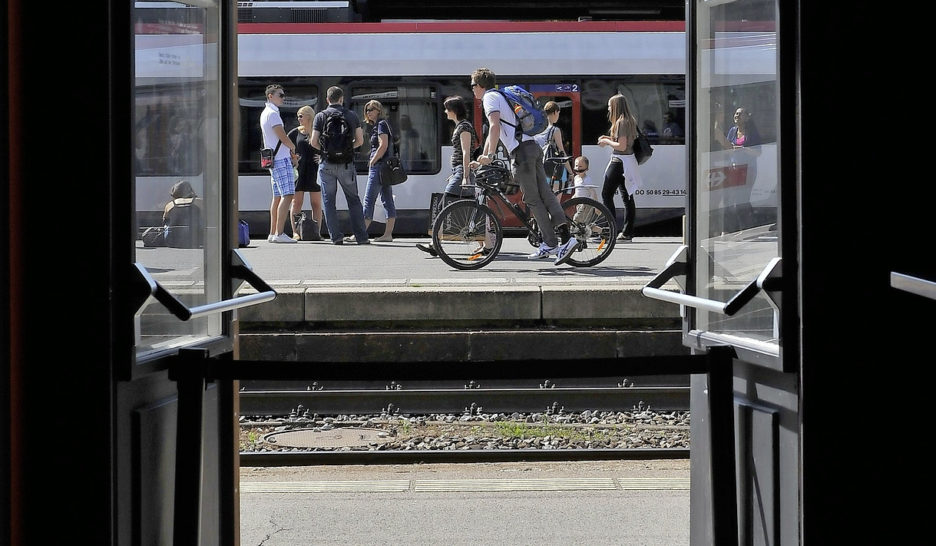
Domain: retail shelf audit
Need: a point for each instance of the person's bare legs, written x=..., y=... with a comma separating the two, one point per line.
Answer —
x=296, y=206
x=315, y=198
x=295, y=209
x=283, y=215
x=388, y=231
x=274, y=207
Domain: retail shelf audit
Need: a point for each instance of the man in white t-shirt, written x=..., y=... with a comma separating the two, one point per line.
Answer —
x=526, y=158
x=281, y=175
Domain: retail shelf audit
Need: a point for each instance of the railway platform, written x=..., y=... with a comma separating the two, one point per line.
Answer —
x=360, y=303
x=596, y=503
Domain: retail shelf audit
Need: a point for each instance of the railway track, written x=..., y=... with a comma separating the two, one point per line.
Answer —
x=280, y=399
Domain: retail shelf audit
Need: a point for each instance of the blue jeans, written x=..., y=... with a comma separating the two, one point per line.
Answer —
x=330, y=175
x=453, y=182
x=374, y=188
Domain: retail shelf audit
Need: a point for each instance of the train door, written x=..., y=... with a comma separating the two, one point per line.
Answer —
x=183, y=279
x=568, y=97
x=738, y=293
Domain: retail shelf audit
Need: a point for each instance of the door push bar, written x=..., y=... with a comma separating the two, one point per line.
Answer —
x=676, y=268
x=914, y=285
x=145, y=286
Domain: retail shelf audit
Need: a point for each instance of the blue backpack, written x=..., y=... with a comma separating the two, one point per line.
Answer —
x=531, y=119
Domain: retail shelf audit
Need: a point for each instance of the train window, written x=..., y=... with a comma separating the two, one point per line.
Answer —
x=413, y=113
x=660, y=107
x=176, y=167
x=252, y=101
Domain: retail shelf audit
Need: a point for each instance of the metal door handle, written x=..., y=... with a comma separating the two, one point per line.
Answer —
x=768, y=281
x=914, y=285
x=145, y=286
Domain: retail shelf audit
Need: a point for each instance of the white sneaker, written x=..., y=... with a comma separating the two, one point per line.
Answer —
x=544, y=251
x=566, y=250
x=271, y=238
x=283, y=238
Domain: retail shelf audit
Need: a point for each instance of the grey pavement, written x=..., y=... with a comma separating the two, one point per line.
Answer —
x=595, y=503
x=399, y=262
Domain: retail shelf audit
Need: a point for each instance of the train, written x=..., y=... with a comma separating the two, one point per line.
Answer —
x=411, y=67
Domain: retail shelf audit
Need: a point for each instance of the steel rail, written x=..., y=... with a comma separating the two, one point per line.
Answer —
x=422, y=401
x=310, y=458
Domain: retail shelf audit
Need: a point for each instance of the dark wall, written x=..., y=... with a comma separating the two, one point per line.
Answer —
x=867, y=198
x=58, y=273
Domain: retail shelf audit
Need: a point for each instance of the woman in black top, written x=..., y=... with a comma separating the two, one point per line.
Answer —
x=464, y=140
x=307, y=181
x=379, y=150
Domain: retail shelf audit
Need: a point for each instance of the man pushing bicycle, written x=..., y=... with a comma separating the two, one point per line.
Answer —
x=526, y=159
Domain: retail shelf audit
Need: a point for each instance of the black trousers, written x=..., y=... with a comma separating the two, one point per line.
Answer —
x=614, y=180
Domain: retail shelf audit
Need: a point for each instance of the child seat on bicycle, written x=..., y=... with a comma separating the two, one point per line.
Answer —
x=497, y=176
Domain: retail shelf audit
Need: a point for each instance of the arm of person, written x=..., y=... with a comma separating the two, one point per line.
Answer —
x=284, y=138
x=465, y=139
x=314, y=139
x=557, y=138
x=619, y=145
x=381, y=148
x=490, y=145
x=358, y=137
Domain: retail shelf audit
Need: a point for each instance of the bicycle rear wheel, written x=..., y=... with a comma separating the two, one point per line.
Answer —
x=460, y=231
x=593, y=225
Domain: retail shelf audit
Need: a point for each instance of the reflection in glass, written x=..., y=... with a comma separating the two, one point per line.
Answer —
x=413, y=114
x=176, y=166
x=737, y=168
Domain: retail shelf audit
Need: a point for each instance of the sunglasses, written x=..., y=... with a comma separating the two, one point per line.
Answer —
x=473, y=85
x=281, y=95
x=579, y=170
x=371, y=109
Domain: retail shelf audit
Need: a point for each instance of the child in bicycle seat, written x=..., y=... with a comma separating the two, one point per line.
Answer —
x=582, y=181
x=583, y=188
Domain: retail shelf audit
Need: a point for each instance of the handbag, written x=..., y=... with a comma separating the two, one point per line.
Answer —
x=391, y=168
x=307, y=227
x=243, y=234
x=267, y=155
x=642, y=148
x=392, y=171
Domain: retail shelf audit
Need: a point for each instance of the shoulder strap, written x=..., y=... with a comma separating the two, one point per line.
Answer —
x=501, y=93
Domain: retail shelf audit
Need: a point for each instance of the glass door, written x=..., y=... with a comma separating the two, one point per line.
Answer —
x=730, y=271
x=737, y=167
x=177, y=168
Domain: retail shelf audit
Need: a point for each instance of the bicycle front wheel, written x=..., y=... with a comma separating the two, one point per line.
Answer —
x=467, y=235
x=593, y=225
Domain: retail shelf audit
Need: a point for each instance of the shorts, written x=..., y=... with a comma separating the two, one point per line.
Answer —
x=281, y=178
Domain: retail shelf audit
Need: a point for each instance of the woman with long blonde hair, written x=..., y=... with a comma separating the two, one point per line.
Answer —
x=622, y=171
x=307, y=181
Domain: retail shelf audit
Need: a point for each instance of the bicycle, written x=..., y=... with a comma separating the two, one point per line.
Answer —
x=467, y=234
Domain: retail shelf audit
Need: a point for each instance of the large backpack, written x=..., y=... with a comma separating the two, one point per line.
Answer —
x=183, y=224
x=531, y=119
x=337, y=139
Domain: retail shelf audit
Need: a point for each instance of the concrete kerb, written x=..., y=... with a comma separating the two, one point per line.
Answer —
x=441, y=301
